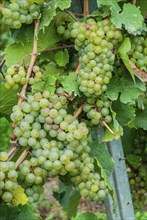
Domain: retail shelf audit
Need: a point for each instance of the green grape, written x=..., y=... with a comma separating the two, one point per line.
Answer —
x=6, y=13
x=7, y=197
x=3, y=156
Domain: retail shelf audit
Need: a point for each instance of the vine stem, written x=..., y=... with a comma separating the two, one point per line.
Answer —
x=23, y=91
x=134, y=2
x=86, y=8
x=78, y=112
x=78, y=68
x=32, y=62
x=71, y=14
x=12, y=150
x=60, y=47
x=104, y=123
x=1, y=66
x=22, y=157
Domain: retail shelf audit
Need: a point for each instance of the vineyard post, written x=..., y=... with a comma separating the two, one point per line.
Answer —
x=119, y=180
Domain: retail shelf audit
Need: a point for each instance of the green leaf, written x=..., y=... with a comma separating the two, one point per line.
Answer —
x=17, y=53
x=19, y=196
x=124, y=86
x=8, y=98
x=123, y=50
x=141, y=119
x=62, y=57
x=125, y=113
x=70, y=83
x=111, y=3
x=117, y=131
x=130, y=17
x=142, y=6
x=48, y=38
x=51, y=69
x=48, y=81
x=50, y=84
x=134, y=160
x=25, y=212
x=20, y=51
x=104, y=161
x=85, y=216
x=49, y=11
x=128, y=140
x=69, y=199
x=38, y=86
x=24, y=35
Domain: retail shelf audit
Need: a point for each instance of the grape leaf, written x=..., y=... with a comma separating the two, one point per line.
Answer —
x=69, y=199
x=128, y=140
x=16, y=53
x=117, y=131
x=21, y=50
x=70, y=83
x=25, y=212
x=62, y=57
x=8, y=98
x=142, y=6
x=130, y=17
x=47, y=84
x=24, y=35
x=48, y=38
x=49, y=11
x=126, y=88
x=104, y=161
x=125, y=113
x=123, y=50
x=111, y=3
x=85, y=216
x=38, y=86
x=19, y=196
x=141, y=119
x=48, y=81
x=134, y=160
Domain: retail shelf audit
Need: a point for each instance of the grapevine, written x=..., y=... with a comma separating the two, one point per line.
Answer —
x=71, y=75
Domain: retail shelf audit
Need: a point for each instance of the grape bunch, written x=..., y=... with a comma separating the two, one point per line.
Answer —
x=138, y=176
x=16, y=76
x=140, y=143
x=138, y=185
x=63, y=22
x=95, y=43
x=49, y=111
x=58, y=144
x=138, y=52
x=8, y=178
x=20, y=12
x=97, y=110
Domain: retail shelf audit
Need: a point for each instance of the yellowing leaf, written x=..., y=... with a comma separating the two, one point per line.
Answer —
x=19, y=196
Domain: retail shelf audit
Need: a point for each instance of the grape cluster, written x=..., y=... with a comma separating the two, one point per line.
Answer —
x=138, y=52
x=58, y=143
x=138, y=184
x=8, y=178
x=63, y=22
x=20, y=12
x=16, y=76
x=138, y=176
x=98, y=110
x=95, y=42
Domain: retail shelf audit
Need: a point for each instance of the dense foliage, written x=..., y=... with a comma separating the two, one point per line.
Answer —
x=63, y=76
